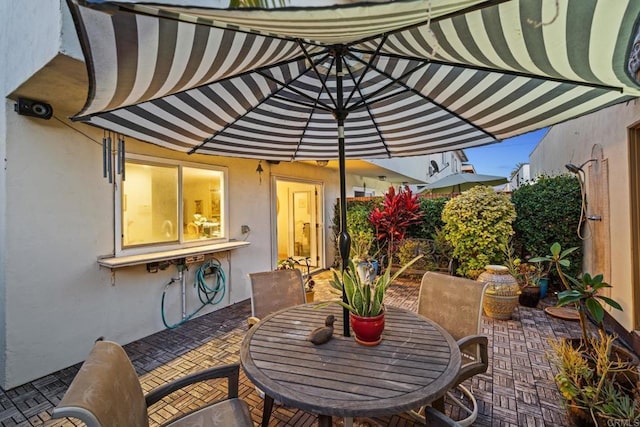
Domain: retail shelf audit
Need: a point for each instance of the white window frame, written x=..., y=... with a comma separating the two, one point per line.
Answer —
x=159, y=247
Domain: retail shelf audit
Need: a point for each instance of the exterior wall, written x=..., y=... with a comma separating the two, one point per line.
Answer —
x=522, y=176
x=59, y=215
x=26, y=44
x=371, y=184
x=572, y=142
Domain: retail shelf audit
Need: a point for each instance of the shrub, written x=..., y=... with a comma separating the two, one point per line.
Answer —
x=361, y=231
x=357, y=212
x=410, y=248
x=478, y=225
x=431, y=219
x=548, y=211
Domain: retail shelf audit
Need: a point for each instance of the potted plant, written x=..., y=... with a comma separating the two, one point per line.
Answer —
x=309, y=291
x=597, y=377
x=526, y=274
x=599, y=387
x=530, y=292
x=582, y=292
x=364, y=300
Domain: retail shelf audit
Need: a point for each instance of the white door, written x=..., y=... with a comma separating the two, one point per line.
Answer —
x=298, y=224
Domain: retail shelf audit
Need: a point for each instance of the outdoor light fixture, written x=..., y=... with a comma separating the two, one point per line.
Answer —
x=259, y=170
x=322, y=163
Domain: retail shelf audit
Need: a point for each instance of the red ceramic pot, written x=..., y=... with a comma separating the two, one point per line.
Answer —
x=367, y=330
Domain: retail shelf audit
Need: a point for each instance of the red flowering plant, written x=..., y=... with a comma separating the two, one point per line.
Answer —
x=399, y=211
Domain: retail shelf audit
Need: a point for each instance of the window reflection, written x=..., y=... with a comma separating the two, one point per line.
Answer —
x=149, y=205
x=202, y=203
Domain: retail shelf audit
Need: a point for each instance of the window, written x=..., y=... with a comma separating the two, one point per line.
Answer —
x=165, y=205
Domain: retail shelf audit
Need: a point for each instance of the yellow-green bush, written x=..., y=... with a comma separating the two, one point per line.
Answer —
x=478, y=224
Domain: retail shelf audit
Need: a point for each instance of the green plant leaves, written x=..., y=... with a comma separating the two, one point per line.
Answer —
x=548, y=211
x=364, y=299
x=478, y=224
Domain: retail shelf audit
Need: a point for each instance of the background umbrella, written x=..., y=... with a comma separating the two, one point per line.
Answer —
x=359, y=80
x=459, y=182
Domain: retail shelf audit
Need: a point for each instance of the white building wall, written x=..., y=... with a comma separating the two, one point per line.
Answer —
x=60, y=220
x=572, y=142
x=523, y=175
x=27, y=41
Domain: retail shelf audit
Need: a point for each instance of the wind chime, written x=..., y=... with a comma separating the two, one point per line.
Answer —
x=108, y=153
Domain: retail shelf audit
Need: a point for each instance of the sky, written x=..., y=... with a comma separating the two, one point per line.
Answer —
x=500, y=159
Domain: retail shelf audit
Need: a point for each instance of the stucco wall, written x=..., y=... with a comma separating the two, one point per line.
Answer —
x=26, y=44
x=60, y=219
x=572, y=142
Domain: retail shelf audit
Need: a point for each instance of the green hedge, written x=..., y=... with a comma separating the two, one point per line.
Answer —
x=548, y=211
x=431, y=218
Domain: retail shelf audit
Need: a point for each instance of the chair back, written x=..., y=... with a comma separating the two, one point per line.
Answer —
x=274, y=290
x=106, y=391
x=455, y=303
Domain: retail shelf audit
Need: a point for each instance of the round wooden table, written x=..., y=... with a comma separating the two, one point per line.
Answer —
x=415, y=364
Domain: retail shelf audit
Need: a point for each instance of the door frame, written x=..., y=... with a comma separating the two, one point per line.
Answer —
x=320, y=216
x=634, y=200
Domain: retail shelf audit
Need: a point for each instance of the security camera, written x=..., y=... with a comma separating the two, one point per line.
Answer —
x=33, y=108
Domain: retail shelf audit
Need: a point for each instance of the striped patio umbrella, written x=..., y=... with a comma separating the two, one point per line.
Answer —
x=324, y=79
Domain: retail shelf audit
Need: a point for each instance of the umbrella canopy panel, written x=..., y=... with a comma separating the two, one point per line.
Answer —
x=458, y=182
x=262, y=83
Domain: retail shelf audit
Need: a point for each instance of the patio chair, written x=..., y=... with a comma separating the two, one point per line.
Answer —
x=435, y=418
x=455, y=303
x=106, y=393
x=274, y=290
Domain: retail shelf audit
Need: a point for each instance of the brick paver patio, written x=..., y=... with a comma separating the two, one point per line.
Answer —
x=518, y=389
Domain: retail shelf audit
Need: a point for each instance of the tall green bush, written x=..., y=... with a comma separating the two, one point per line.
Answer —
x=548, y=211
x=478, y=224
x=362, y=231
x=431, y=219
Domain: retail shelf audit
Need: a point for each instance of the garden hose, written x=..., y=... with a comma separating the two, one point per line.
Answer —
x=208, y=294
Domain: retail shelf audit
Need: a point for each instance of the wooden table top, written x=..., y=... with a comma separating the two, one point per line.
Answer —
x=416, y=362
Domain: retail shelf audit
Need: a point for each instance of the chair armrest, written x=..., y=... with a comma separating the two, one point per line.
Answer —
x=470, y=369
x=252, y=321
x=231, y=372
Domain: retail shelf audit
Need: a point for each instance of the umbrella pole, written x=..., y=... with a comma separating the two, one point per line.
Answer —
x=345, y=239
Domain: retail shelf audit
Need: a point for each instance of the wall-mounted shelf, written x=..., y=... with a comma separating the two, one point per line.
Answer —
x=127, y=261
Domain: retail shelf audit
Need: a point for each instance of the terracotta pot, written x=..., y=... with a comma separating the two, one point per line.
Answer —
x=367, y=330
x=309, y=295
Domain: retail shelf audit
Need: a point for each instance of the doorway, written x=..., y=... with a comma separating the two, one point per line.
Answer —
x=299, y=219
